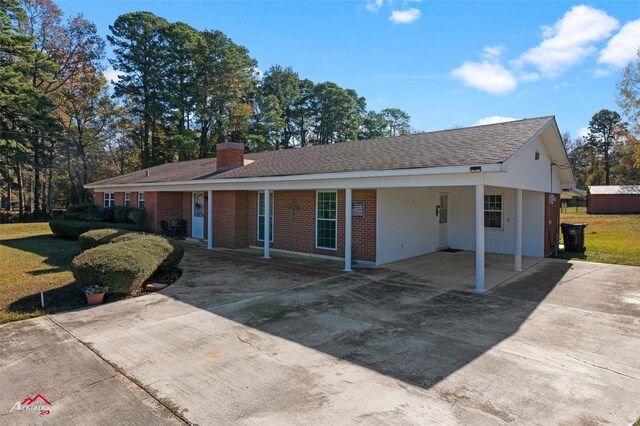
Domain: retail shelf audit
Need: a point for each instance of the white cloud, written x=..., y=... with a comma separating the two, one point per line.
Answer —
x=111, y=75
x=493, y=53
x=374, y=5
x=582, y=132
x=489, y=75
x=494, y=119
x=404, y=16
x=569, y=40
x=622, y=48
x=599, y=72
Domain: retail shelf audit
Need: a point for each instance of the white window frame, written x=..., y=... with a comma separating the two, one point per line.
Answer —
x=127, y=199
x=335, y=220
x=272, y=204
x=108, y=199
x=501, y=227
x=140, y=198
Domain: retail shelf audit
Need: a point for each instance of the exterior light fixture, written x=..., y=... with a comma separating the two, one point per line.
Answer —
x=475, y=169
x=537, y=155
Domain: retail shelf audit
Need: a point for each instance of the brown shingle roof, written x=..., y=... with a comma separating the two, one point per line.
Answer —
x=488, y=144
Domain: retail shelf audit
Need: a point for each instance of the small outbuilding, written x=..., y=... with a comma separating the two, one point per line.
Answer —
x=611, y=199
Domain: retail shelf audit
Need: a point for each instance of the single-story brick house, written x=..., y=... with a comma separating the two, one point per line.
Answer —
x=611, y=199
x=494, y=187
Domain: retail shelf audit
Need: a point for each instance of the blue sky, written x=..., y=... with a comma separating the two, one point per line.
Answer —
x=446, y=63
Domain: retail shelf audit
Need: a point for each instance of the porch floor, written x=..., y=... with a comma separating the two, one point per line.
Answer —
x=457, y=271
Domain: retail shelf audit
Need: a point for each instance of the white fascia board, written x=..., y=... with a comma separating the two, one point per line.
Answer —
x=435, y=176
x=523, y=148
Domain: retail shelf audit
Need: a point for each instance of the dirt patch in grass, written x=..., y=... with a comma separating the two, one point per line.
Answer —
x=608, y=238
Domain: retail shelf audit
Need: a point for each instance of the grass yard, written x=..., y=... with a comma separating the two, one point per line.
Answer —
x=31, y=260
x=608, y=238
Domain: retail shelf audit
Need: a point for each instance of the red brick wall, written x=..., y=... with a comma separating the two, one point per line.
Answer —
x=98, y=198
x=134, y=199
x=363, y=231
x=299, y=233
x=229, y=155
x=119, y=198
x=151, y=206
x=551, y=218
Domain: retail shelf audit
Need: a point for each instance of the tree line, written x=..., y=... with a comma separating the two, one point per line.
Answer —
x=179, y=91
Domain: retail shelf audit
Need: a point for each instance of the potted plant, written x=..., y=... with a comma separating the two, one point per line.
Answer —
x=95, y=294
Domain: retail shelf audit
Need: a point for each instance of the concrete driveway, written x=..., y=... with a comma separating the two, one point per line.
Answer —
x=243, y=340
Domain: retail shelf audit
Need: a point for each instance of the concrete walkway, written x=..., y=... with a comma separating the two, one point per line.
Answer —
x=241, y=340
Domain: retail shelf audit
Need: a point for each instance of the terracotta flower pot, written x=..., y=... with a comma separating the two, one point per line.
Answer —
x=95, y=299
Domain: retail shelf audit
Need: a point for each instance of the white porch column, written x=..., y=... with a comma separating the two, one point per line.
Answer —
x=518, y=251
x=480, y=238
x=267, y=222
x=210, y=219
x=347, y=230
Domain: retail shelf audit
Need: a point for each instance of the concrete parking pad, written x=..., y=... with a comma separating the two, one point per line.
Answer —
x=253, y=341
x=39, y=357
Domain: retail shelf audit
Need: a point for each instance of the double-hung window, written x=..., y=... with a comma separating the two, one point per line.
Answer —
x=127, y=199
x=327, y=220
x=493, y=211
x=141, y=200
x=109, y=199
x=261, y=216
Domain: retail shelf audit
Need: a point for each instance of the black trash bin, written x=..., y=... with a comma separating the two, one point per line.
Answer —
x=573, y=236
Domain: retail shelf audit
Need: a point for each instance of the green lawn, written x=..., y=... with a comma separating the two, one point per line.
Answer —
x=608, y=238
x=31, y=260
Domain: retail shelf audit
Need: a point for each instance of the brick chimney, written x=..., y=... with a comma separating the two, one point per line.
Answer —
x=229, y=155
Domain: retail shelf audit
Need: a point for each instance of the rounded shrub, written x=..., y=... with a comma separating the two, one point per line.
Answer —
x=121, y=266
x=137, y=215
x=121, y=214
x=173, y=258
x=98, y=237
x=85, y=212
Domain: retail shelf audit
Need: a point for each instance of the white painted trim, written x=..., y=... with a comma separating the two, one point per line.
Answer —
x=111, y=197
x=517, y=261
x=193, y=194
x=479, y=201
x=272, y=217
x=210, y=219
x=267, y=222
x=468, y=179
x=347, y=228
x=337, y=220
x=502, y=198
x=228, y=183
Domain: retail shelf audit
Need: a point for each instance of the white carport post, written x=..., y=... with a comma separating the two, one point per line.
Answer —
x=480, y=238
x=267, y=223
x=347, y=230
x=518, y=251
x=210, y=219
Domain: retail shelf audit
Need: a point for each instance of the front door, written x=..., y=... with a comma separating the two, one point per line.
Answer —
x=197, y=213
x=443, y=219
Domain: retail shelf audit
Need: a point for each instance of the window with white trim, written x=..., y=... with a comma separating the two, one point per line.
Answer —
x=327, y=220
x=493, y=211
x=261, y=216
x=109, y=199
x=141, y=200
x=127, y=199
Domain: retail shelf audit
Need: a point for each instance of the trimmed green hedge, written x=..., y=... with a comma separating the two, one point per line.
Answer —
x=126, y=262
x=120, y=266
x=72, y=229
x=98, y=237
x=172, y=260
